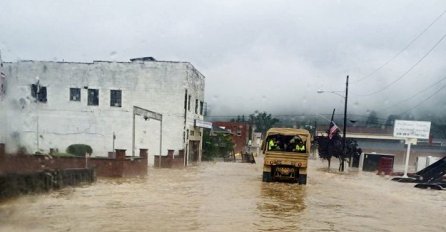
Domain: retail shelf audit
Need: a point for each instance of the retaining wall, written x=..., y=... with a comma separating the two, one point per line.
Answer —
x=121, y=166
x=170, y=161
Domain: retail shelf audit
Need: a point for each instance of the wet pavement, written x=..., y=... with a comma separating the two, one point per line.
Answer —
x=231, y=197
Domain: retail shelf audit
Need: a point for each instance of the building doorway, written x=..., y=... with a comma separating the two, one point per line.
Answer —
x=194, y=150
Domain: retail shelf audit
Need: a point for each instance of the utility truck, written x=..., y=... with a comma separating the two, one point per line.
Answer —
x=286, y=153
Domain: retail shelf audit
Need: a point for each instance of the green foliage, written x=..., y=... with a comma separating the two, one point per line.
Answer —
x=262, y=121
x=216, y=145
x=79, y=149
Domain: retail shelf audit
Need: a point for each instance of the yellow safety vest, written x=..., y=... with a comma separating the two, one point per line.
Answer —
x=300, y=148
x=271, y=145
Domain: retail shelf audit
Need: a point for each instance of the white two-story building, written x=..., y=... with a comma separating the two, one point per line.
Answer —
x=50, y=105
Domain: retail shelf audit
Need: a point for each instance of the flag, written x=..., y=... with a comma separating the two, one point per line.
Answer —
x=332, y=130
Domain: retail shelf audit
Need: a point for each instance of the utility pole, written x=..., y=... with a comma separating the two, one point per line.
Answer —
x=344, y=133
x=37, y=112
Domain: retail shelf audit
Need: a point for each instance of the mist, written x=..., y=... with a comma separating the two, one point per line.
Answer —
x=256, y=55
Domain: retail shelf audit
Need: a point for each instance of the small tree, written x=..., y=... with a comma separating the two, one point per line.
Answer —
x=79, y=149
x=216, y=145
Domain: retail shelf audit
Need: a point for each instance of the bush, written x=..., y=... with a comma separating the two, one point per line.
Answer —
x=79, y=149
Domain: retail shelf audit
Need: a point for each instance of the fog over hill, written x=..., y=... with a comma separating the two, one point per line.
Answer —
x=256, y=55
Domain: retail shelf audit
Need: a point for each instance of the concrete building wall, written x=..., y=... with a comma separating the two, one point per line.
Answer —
x=152, y=85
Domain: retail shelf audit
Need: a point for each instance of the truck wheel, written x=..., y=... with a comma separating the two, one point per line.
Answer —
x=302, y=179
x=266, y=177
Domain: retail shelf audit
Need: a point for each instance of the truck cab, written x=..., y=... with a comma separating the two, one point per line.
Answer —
x=286, y=153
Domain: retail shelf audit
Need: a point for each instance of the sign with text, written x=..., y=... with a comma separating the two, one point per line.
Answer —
x=203, y=124
x=411, y=129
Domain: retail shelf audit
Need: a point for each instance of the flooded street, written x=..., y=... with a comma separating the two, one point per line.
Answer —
x=230, y=197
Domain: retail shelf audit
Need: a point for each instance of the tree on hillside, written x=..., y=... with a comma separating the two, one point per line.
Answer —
x=372, y=120
x=391, y=120
x=262, y=121
x=238, y=119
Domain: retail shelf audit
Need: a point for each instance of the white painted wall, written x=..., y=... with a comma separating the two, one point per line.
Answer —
x=154, y=85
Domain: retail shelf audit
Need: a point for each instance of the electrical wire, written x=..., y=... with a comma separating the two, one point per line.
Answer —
x=404, y=112
x=407, y=72
x=416, y=94
x=401, y=51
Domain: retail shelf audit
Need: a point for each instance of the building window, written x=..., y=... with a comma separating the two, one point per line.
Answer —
x=188, y=103
x=115, y=98
x=38, y=92
x=239, y=132
x=93, y=97
x=185, y=100
x=196, y=106
x=201, y=107
x=192, y=133
x=75, y=94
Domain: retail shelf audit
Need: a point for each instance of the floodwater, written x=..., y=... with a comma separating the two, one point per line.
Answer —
x=231, y=197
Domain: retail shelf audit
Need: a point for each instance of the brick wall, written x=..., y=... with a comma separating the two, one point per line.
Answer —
x=170, y=161
x=240, y=133
x=119, y=167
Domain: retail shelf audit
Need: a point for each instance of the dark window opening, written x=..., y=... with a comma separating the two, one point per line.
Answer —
x=196, y=106
x=188, y=103
x=201, y=107
x=38, y=92
x=116, y=98
x=93, y=97
x=75, y=94
x=185, y=100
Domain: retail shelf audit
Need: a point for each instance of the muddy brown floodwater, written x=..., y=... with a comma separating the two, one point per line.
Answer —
x=231, y=197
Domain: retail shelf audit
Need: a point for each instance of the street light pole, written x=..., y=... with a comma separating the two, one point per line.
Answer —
x=344, y=133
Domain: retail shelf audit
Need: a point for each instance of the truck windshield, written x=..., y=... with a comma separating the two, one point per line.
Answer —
x=285, y=143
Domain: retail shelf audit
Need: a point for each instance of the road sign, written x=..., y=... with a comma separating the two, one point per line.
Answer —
x=411, y=129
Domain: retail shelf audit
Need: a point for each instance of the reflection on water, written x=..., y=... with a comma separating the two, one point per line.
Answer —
x=230, y=197
x=279, y=206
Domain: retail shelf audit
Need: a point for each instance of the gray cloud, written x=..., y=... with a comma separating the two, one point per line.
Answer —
x=265, y=55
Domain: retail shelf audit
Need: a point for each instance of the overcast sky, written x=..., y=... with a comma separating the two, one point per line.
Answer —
x=256, y=55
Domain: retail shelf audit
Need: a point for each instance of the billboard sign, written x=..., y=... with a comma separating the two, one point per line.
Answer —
x=411, y=129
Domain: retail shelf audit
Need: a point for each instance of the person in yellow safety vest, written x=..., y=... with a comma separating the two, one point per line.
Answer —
x=272, y=144
x=300, y=147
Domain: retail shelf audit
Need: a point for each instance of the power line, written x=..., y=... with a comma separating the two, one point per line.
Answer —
x=408, y=71
x=416, y=94
x=402, y=50
x=424, y=100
